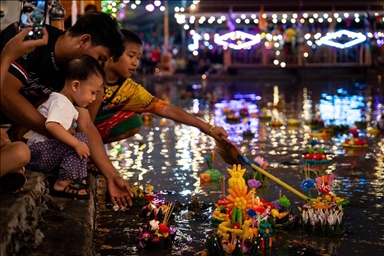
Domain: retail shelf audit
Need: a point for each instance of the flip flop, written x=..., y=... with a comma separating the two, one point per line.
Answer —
x=70, y=191
x=12, y=182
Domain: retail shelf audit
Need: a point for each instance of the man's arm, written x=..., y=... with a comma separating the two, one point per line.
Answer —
x=119, y=189
x=18, y=108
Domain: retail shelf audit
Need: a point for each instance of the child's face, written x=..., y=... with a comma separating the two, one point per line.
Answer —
x=86, y=91
x=129, y=61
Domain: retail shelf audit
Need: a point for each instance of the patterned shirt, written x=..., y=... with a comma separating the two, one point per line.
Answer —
x=127, y=95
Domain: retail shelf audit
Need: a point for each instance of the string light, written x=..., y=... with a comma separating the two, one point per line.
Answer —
x=237, y=40
x=330, y=39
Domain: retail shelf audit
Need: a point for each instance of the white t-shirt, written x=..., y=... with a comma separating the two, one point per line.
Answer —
x=59, y=109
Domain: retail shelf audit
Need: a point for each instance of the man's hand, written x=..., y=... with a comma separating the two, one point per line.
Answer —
x=119, y=191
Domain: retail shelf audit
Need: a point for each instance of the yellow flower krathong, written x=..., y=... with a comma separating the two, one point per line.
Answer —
x=238, y=197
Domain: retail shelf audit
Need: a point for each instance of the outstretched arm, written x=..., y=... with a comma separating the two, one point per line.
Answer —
x=118, y=188
x=179, y=115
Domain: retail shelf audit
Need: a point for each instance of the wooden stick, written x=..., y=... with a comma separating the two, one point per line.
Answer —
x=229, y=152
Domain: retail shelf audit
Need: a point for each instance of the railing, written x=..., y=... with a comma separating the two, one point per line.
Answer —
x=304, y=55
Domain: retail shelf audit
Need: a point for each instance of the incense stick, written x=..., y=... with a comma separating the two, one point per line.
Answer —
x=169, y=212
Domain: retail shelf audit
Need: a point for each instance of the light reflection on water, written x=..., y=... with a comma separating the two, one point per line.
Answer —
x=171, y=157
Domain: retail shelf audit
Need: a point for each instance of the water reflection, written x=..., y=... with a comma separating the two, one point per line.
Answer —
x=171, y=157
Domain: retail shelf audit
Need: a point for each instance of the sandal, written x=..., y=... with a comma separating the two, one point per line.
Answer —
x=70, y=191
x=82, y=182
x=13, y=182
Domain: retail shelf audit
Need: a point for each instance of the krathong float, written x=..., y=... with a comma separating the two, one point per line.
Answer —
x=293, y=122
x=233, y=119
x=211, y=174
x=157, y=235
x=315, y=155
x=227, y=111
x=247, y=133
x=242, y=218
x=354, y=141
x=138, y=195
x=264, y=115
x=323, y=215
x=282, y=216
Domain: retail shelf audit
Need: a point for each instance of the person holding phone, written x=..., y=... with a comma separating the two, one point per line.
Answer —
x=33, y=77
x=14, y=155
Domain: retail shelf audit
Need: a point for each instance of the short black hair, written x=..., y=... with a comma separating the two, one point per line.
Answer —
x=84, y=66
x=90, y=8
x=27, y=9
x=130, y=37
x=103, y=29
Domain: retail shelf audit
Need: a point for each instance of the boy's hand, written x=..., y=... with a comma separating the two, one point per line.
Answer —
x=82, y=150
x=218, y=132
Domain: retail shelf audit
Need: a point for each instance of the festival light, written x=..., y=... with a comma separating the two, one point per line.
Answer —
x=195, y=45
x=330, y=38
x=243, y=40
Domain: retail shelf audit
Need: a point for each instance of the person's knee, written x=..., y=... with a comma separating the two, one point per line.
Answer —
x=136, y=130
x=21, y=152
x=131, y=132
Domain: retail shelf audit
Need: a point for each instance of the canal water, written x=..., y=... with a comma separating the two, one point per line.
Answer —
x=170, y=156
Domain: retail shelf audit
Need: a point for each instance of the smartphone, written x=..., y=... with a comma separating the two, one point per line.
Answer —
x=32, y=14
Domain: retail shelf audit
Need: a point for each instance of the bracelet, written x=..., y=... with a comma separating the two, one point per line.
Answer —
x=211, y=129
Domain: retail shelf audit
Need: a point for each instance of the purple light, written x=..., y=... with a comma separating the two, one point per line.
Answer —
x=121, y=13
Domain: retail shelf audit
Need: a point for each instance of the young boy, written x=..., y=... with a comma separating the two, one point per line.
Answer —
x=67, y=153
x=116, y=118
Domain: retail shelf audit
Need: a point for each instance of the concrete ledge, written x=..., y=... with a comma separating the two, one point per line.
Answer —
x=34, y=223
